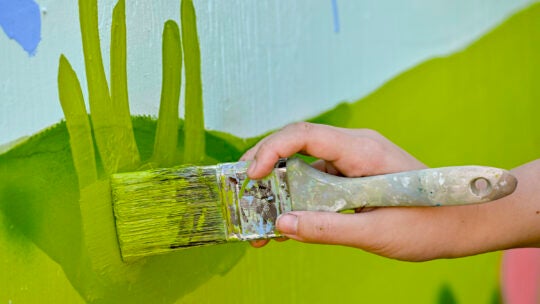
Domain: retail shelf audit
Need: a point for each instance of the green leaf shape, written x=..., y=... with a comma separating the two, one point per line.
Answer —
x=89, y=252
x=194, y=119
x=167, y=129
x=80, y=132
x=113, y=133
x=39, y=196
x=119, y=88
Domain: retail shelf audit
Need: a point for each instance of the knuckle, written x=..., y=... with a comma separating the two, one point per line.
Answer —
x=266, y=147
x=370, y=133
x=249, y=155
x=371, y=156
x=370, y=144
x=301, y=126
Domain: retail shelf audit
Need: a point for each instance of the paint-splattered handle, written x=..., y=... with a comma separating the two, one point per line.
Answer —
x=311, y=189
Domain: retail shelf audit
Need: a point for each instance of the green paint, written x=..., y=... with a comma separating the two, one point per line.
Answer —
x=496, y=297
x=167, y=129
x=119, y=89
x=194, y=127
x=80, y=133
x=476, y=106
x=161, y=210
x=73, y=222
x=110, y=133
x=446, y=296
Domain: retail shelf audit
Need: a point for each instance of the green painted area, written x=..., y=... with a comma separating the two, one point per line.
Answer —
x=476, y=106
x=112, y=128
x=128, y=156
x=166, y=209
x=77, y=230
x=194, y=128
x=167, y=129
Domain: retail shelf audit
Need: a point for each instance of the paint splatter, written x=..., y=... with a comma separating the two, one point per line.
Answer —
x=21, y=21
x=335, y=13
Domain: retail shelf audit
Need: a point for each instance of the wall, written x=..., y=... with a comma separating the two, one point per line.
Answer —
x=288, y=61
x=255, y=55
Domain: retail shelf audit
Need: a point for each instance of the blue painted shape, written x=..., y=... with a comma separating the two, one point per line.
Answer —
x=21, y=21
x=335, y=13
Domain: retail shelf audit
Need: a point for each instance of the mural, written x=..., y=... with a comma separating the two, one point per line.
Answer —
x=57, y=233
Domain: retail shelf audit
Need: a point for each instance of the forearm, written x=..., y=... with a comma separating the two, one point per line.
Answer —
x=514, y=221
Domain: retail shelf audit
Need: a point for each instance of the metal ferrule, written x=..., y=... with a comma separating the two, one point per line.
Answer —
x=251, y=207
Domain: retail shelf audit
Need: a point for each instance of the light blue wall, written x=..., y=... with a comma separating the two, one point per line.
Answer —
x=283, y=59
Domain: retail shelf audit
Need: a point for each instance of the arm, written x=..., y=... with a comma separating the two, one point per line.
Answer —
x=405, y=233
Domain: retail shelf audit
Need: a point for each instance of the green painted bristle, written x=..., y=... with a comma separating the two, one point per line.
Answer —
x=161, y=210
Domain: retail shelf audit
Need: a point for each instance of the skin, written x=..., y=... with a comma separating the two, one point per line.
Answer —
x=403, y=233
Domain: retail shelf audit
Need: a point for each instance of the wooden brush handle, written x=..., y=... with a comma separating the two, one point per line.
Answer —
x=311, y=189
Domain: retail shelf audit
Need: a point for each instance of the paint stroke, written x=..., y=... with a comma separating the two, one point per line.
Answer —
x=335, y=13
x=194, y=152
x=166, y=142
x=21, y=21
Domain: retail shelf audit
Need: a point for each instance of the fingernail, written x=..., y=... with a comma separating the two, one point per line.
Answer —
x=252, y=167
x=287, y=223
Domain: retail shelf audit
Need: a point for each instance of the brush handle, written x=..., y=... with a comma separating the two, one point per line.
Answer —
x=311, y=189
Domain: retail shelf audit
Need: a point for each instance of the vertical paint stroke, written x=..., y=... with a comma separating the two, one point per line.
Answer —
x=111, y=135
x=335, y=13
x=21, y=21
x=194, y=139
x=167, y=125
x=119, y=83
x=80, y=134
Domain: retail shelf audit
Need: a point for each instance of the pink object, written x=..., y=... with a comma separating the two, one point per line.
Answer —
x=520, y=277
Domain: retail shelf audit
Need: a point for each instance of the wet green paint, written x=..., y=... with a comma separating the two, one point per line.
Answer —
x=476, y=106
x=166, y=142
x=72, y=101
x=108, y=130
x=82, y=238
x=128, y=155
x=194, y=128
x=161, y=210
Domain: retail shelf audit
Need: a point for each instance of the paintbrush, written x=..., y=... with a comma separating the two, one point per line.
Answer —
x=162, y=210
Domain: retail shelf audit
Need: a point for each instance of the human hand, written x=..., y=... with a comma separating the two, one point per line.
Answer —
x=348, y=152
x=404, y=233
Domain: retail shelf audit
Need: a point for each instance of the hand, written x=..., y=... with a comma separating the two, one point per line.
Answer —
x=347, y=152
x=405, y=233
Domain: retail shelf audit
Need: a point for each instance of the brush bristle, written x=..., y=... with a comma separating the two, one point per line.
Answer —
x=161, y=210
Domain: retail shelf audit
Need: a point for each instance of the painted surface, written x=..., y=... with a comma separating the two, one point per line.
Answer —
x=477, y=105
x=247, y=52
x=21, y=21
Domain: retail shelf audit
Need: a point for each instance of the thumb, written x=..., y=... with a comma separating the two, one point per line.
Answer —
x=407, y=233
x=323, y=227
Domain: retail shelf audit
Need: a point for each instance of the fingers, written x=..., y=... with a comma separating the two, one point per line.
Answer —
x=325, y=142
x=262, y=243
x=321, y=227
x=350, y=152
x=326, y=167
x=300, y=137
x=399, y=233
x=259, y=243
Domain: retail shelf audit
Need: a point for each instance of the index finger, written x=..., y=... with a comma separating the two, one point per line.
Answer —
x=321, y=141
